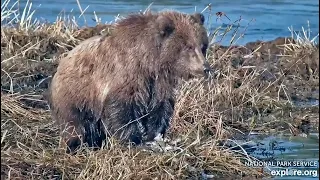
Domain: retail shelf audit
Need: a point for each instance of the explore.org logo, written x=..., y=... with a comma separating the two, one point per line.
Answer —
x=288, y=168
x=294, y=172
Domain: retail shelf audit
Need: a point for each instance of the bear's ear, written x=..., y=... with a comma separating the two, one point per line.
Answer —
x=165, y=25
x=199, y=18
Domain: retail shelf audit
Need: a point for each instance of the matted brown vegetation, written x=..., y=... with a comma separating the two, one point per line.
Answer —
x=254, y=89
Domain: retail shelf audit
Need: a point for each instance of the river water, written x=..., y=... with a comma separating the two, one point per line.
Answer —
x=285, y=153
x=268, y=19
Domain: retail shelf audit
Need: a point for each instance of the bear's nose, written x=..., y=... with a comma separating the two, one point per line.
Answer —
x=207, y=69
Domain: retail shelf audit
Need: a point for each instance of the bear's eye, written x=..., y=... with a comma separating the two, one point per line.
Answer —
x=189, y=48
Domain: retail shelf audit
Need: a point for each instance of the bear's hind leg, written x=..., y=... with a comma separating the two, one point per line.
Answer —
x=72, y=137
x=94, y=133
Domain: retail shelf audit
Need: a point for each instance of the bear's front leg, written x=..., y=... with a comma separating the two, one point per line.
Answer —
x=159, y=119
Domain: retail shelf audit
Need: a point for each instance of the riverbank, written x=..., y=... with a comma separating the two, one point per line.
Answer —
x=257, y=87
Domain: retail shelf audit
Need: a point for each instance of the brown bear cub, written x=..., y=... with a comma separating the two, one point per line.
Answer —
x=123, y=85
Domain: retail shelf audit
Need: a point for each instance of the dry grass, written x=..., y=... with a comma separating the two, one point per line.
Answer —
x=254, y=88
x=30, y=150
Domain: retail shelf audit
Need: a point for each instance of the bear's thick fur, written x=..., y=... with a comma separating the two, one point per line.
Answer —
x=123, y=84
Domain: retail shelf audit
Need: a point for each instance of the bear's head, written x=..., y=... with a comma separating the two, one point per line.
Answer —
x=184, y=43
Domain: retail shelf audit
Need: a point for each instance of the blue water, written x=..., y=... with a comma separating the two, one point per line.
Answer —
x=272, y=17
x=282, y=152
x=287, y=151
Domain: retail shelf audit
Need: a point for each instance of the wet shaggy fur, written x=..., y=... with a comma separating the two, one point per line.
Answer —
x=123, y=85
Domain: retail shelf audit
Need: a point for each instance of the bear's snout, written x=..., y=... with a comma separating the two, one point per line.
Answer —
x=208, y=71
